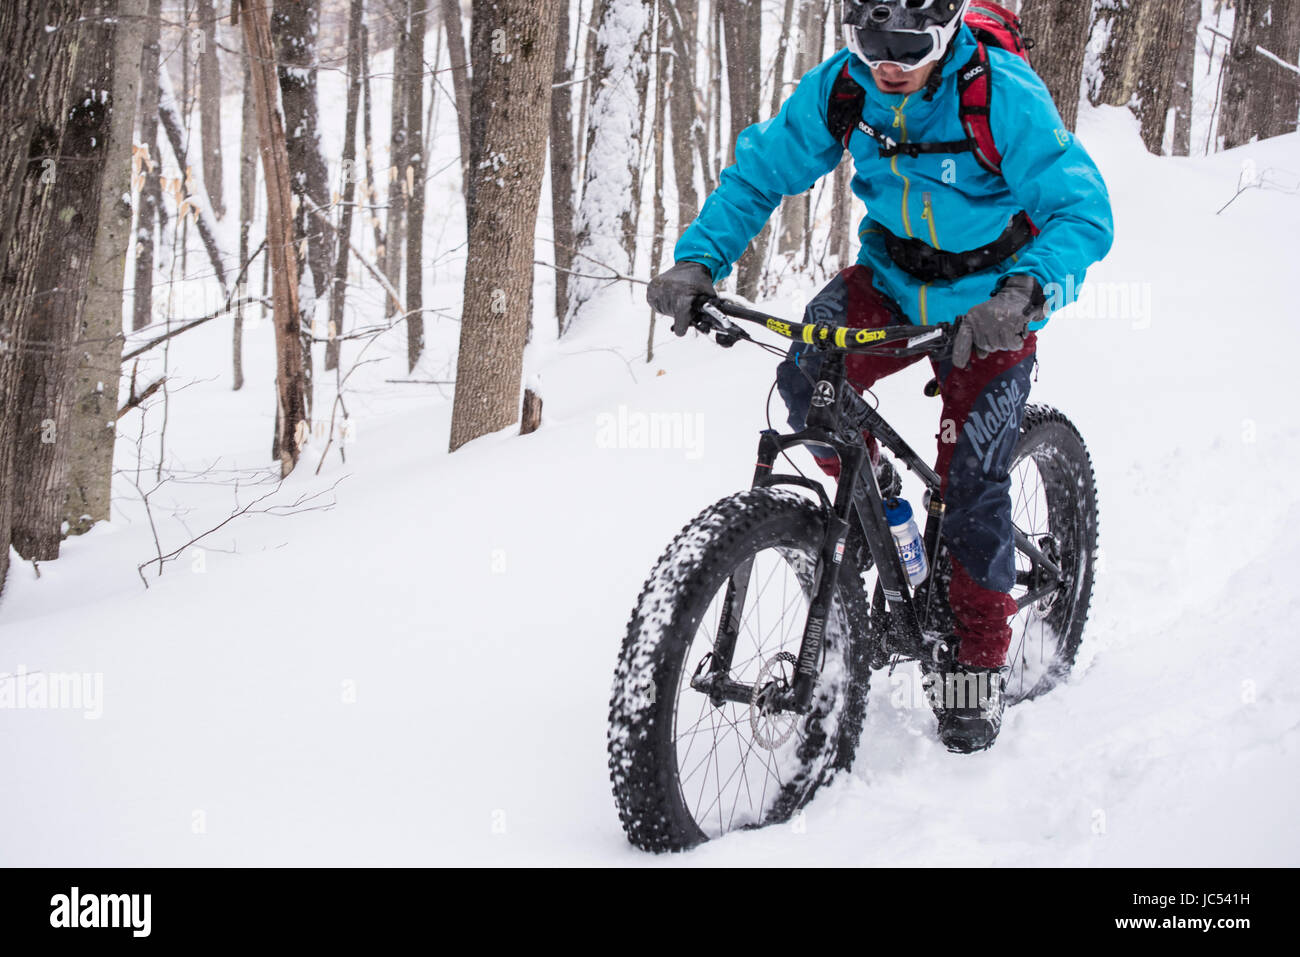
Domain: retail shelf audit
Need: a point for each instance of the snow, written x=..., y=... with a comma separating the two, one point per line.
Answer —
x=421, y=674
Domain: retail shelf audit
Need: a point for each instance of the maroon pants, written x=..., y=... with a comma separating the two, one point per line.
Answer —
x=983, y=406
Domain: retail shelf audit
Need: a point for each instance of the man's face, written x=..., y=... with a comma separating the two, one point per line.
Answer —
x=892, y=78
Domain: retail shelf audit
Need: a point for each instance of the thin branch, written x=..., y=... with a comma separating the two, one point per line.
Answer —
x=194, y=323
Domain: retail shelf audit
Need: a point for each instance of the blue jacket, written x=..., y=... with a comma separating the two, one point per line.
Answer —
x=948, y=201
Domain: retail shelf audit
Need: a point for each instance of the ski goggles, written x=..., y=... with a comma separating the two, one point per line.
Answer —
x=903, y=49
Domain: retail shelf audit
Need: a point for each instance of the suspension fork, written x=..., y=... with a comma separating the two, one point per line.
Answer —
x=825, y=414
x=829, y=563
x=733, y=603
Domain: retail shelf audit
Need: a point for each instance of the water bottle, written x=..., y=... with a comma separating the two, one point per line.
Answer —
x=907, y=537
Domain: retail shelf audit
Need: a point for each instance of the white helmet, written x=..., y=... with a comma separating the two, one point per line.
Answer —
x=907, y=33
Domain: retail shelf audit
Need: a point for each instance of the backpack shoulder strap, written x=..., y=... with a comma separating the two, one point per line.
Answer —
x=975, y=86
x=844, y=110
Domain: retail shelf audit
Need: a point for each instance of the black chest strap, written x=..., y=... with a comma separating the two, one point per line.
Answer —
x=922, y=261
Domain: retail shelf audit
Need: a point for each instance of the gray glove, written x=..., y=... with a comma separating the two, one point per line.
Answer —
x=675, y=292
x=1001, y=323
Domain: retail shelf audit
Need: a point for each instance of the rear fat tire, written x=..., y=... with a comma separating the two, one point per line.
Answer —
x=1070, y=486
x=1065, y=466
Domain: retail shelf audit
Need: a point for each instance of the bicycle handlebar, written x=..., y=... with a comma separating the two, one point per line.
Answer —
x=715, y=315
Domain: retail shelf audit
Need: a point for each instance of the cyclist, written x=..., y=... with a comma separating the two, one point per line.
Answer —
x=988, y=209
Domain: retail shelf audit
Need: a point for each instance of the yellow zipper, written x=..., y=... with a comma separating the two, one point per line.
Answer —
x=928, y=215
x=900, y=123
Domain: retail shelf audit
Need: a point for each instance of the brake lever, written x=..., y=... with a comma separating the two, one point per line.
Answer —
x=728, y=333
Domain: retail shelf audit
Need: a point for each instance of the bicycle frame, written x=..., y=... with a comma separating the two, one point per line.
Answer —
x=837, y=419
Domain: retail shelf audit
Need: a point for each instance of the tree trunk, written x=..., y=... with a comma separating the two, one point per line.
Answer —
x=99, y=355
x=372, y=191
x=210, y=106
x=338, y=290
x=49, y=355
x=1059, y=30
x=684, y=116
x=714, y=107
x=295, y=25
x=397, y=148
x=606, y=223
x=150, y=188
x=660, y=211
x=562, y=159
x=247, y=206
x=33, y=113
x=415, y=185
x=455, y=27
x=589, y=30
x=794, y=210
x=1185, y=78
x=841, y=198
x=743, y=25
x=1261, y=98
x=513, y=49
x=1139, y=59
x=169, y=111
x=290, y=378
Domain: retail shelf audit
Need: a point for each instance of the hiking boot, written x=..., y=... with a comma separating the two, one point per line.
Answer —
x=970, y=714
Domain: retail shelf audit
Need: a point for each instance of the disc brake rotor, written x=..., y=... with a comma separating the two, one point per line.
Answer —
x=772, y=728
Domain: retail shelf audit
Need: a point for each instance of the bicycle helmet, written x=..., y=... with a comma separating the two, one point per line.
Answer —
x=908, y=33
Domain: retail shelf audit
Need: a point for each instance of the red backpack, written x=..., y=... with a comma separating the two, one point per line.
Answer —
x=993, y=25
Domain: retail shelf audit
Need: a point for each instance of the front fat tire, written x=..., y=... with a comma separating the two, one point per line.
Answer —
x=643, y=757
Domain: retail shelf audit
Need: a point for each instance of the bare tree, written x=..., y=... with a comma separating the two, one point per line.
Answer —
x=840, y=197
x=295, y=25
x=684, y=115
x=372, y=190
x=562, y=162
x=415, y=186
x=794, y=210
x=660, y=211
x=210, y=105
x=1261, y=98
x=742, y=34
x=35, y=77
x=606, y=222
x=397, y=151
x=291, y=378
x=1139, y=60
x=150, y=187
x=1185, y=78
x=48, y=360
x=1059, y=30
x=247, y=205
x=513, y=54
x=171, y=114
x=455, y=27
x=99, y=352
x=338, y=289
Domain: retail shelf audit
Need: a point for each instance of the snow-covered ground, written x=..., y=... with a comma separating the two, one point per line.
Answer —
x=421, y=674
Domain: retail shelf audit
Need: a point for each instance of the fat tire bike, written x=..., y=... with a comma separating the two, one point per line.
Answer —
x=741, y=685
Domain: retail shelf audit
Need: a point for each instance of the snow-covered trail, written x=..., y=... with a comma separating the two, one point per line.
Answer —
x=421, y=675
